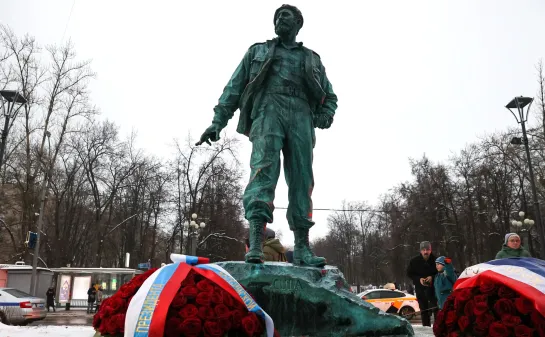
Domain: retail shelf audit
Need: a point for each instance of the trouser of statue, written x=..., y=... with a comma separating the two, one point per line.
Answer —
x=283, y=123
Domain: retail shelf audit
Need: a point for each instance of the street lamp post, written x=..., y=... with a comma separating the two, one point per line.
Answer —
x=12, y=97
x=519, y=103
x=43, y=195
x=525, y=228
x=193, y=233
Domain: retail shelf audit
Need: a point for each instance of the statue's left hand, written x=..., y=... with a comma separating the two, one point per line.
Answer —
x=323, y=121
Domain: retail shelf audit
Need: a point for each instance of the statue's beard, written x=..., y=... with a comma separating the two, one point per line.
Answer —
x=283, y=29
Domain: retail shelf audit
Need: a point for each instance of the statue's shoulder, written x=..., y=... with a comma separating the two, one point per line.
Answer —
x=258, y=44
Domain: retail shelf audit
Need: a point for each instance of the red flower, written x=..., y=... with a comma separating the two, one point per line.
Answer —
x=504, y=306
x=488, y=288
x=536, y=318
x=510, y=321
x=486, y=319
x=117, y=304
x=225, y=324
x=236, y=318
x=206, y=313
x=452, y=318
x=524, y=305
x=454, y=334
x=190, y=327
x=480, y=308
x=497, y=329
x=481, y=298
x=481, y=327
x=203, y=299
x=190, y=291
x=540, y=329
x=205, y=286
x=469, y=308
x=178, y=302
x=228, y=300
x=249, y=325
x=212, y=329
x=188, y=311
x=222, y=311
x=463, y=323
x=217, y=297
x=506, y=292
x=524, y=331
x=172, y=327
x=189, y=279
x=128, y=290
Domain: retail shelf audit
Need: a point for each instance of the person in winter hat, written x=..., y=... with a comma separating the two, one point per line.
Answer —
x=272, y=248
x=444, y=280
x=512, y=248
x=422, y=271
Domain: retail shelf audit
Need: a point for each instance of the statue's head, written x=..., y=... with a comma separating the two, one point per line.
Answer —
x=288, y=20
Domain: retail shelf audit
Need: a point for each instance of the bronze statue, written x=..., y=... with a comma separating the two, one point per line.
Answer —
x=283, y=93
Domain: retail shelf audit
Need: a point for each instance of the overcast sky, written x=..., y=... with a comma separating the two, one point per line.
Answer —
x=412, y=77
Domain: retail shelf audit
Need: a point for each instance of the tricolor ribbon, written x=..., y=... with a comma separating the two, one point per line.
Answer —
x=147, y=312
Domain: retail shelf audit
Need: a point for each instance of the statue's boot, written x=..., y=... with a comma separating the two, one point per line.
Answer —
x=255, y=251
x=302, y=255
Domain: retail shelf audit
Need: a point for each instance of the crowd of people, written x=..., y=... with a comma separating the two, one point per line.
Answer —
x=434, y=278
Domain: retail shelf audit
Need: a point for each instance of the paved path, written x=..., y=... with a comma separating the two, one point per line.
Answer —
x=63, y=317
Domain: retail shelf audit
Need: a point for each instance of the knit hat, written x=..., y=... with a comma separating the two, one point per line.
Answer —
x=425, y=245
x=440, y=260
x=507, y=236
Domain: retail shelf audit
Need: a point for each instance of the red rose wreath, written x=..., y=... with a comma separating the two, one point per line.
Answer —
x=200, y=308
x=488, y=310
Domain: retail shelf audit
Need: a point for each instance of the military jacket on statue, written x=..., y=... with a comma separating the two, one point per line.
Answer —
x=244, y=88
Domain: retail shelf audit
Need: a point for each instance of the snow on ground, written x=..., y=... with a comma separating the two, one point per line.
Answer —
x=422, y=331
x=46, y=331
x=87, y=331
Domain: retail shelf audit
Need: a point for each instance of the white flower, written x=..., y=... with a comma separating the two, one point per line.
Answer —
x=203, y=225
x=194, y=215
x=521, y=214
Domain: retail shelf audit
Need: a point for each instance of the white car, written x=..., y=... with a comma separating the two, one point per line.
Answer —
x=18, y=307
x=392, y=301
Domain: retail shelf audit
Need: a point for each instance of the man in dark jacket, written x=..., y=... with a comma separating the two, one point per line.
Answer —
x=91, y=297
x=422, y=271
x=50, y=298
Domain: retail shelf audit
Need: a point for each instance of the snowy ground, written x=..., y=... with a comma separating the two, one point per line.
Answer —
x=87, y=331
x=46, y=331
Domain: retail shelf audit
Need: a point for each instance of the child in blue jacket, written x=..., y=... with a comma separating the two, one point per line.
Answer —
x=444, y=280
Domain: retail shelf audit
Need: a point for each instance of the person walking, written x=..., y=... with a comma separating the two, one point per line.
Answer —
x=512, y=248
x=445, y=279
x=422, y=271
x=91, y=298
x=50, y=298
x=272, y=248
x=99, y=298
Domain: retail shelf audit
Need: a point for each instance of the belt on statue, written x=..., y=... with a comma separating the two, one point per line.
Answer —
x=289, y=91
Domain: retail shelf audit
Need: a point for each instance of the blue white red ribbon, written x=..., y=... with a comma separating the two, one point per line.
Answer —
x=146, y=315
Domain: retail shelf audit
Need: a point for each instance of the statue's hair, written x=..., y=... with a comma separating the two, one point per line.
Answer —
x=293, y=9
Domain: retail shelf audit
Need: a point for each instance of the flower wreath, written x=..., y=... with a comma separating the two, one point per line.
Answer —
x=201, y=305
x=484, y=302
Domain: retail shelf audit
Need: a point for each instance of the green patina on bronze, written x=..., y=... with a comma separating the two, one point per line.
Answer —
x=282, y=92
x=306, y=301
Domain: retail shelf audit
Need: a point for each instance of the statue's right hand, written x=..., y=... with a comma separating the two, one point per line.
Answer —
x=212, y=133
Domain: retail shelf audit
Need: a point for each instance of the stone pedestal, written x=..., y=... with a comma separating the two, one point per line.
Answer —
x=305, y=301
